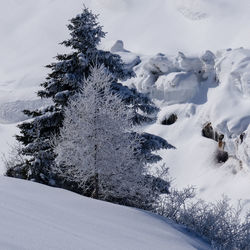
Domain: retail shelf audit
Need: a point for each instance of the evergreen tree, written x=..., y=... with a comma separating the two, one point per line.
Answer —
x=64, y=81
x=97, y=150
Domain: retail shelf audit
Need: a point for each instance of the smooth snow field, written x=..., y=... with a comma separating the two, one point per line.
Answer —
x=35, y=216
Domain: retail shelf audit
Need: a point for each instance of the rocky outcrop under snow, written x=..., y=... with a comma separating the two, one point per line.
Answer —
x=212, y=88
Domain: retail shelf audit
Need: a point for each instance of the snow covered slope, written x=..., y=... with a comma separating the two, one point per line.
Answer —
x=35, y=216
x=31, y=30
x=207, y=94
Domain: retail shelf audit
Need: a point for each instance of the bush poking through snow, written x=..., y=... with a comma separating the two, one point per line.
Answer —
x=15, y=161
x=218, y=222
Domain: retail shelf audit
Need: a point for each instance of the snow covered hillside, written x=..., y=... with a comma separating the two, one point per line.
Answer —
x=204, y=90
x=205, y=113
x=35, y=216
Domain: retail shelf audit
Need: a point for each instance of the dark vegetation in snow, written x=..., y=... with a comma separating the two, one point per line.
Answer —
x=63, y=83
x=217, y=222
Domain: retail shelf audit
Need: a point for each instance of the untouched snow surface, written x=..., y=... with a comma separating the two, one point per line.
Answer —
x=35, y=216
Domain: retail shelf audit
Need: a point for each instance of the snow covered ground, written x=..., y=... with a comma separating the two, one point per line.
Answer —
x=210, y=89
x=35, y=216
x=203, y=89
x=30, y=32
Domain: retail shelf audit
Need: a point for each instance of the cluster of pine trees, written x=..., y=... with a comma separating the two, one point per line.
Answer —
x=86, y=141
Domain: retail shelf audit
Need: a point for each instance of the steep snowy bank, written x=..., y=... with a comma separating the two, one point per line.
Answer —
x=35, y=216
x=30, y=32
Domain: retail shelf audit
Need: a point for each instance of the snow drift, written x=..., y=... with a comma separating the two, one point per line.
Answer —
x=35, y=216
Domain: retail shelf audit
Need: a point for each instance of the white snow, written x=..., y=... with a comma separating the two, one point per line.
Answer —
x=30, y=32
x=35, y=216
x=210, y=88
x=178, y=87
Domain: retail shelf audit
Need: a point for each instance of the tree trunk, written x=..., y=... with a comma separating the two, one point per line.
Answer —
x=96, y=177
x=95, y=194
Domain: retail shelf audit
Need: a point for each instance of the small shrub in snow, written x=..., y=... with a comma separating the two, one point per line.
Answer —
x=14, y=162
x=218, y=222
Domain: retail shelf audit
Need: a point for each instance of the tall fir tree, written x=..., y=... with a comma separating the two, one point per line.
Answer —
x=97, y=151
x=65, y=80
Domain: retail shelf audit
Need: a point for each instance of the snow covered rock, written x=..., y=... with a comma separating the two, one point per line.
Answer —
x=228, y=104
x=208, y=60
x=212, y=88
x=180, y=87
x=159, y=64
x=180, y=79
x=150, y=69
x=130, y=59
x=188, y=64
x=118, y=47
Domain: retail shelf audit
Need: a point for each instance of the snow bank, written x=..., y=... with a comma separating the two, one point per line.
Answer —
x=180, y=79
x=35, y=216
x=31, y=32
x=178, y=87
x=199, y=90
x=228, y=106
x=12, y=112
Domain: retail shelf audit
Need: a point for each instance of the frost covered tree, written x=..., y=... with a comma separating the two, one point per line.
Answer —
x=96, y=148
x=64, y=81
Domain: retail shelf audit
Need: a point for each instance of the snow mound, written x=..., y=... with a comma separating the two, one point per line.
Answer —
x=130, y=59
x=35, y=216
x=11, y=112
x=179, y=79
x=118, y=47
x=177, y=87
